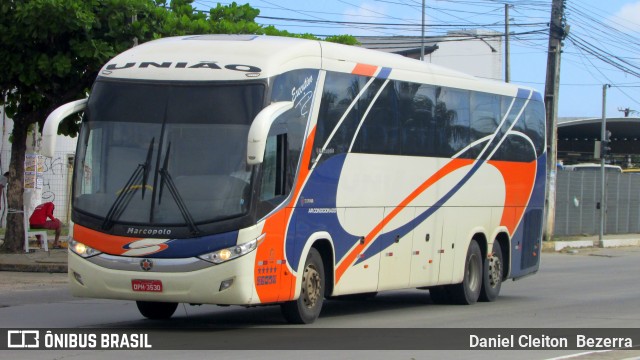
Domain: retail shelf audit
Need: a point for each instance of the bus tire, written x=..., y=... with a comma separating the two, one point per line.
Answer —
x=492, y=275
x=306, y=308
x=156, y=310
x=468, y=292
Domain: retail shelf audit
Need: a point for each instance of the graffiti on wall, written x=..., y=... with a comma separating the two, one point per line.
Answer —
x=55, y=166
x=54, y=187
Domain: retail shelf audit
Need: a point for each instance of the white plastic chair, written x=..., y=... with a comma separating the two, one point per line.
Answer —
x=33, y=232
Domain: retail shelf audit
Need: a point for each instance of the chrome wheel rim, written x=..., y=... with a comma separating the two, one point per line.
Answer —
x=495, y=271
x=311, y=288
x=473, y=272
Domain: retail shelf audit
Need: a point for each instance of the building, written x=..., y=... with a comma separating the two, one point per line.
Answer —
x=577, y=140
x=475, y=52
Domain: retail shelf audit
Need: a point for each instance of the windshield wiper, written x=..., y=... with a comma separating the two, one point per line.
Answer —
x=129, y=190
x=145, y=177
x=173, y=190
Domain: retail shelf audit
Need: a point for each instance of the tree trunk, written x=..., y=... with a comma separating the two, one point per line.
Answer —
x=14, y=237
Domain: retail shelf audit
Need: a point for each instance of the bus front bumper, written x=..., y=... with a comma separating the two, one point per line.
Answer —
x=229, y=283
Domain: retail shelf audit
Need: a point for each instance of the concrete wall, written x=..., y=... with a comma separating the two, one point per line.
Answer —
x=474, y=57
x=56, y=174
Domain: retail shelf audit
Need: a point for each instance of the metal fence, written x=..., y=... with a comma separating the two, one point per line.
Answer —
x=577, y=197
x=55, y=186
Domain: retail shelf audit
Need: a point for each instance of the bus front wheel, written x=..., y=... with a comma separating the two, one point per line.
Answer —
x=156, y=310
x=306, y=308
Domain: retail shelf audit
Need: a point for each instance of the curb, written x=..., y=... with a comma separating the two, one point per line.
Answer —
x=40, y=268
x=606, y=243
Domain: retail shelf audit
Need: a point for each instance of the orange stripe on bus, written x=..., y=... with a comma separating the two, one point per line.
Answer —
x=272, y=248
x=364, y=69
x=451, y=166
x=304, y=167
x=110, y=244
x=519, y=179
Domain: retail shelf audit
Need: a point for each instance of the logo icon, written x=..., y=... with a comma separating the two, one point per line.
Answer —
x=20, y=339
x=146, y=264
x=145, y=247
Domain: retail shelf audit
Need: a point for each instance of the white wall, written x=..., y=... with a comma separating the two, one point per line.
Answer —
x=473, y=57
x=56, y=175
x=474, y=52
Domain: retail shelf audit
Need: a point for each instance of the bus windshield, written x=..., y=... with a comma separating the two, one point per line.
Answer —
x=165, y=154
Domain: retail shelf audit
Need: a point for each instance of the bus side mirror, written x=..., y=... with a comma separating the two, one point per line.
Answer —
x=50, y=130
x=259, y=130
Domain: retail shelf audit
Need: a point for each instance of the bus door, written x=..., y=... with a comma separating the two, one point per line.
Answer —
x=272, y=278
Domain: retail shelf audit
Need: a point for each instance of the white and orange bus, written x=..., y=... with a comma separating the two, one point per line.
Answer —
x=253, y=170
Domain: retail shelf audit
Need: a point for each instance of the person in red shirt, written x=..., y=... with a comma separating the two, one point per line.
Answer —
x=38, y=220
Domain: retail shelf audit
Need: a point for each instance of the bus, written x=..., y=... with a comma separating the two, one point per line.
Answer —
x=248, y=170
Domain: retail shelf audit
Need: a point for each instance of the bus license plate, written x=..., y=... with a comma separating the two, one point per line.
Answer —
x=146, y=285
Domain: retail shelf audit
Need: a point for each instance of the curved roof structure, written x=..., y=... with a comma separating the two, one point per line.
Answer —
x=577, y=137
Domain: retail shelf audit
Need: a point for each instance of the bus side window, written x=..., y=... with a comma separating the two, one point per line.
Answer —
x=453, y=115
x=274, y=180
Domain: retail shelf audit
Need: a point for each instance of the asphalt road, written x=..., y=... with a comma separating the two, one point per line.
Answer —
x=592, y=289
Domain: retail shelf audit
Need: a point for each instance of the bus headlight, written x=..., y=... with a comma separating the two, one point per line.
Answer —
x=82, y=249
x=220, y=256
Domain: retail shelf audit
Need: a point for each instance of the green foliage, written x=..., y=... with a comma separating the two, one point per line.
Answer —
x=52, y=49
x=343, y=39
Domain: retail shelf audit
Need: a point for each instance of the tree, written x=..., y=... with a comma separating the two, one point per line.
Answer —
x=52, y=51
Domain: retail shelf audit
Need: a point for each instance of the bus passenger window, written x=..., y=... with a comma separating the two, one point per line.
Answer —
x=453, y=115
x=338, y=103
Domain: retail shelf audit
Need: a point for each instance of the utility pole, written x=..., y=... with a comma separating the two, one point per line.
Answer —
x=604, y=150
x=422, y=36
x=507, y=60
x=557, y=33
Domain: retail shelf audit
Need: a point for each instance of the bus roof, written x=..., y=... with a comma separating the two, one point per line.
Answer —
x=246, y=57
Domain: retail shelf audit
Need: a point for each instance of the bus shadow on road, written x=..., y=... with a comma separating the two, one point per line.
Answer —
x=233, y=317
x=382, y=302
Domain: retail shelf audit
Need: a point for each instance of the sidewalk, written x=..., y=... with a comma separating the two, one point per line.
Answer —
x=574, y=242
x=55, y=261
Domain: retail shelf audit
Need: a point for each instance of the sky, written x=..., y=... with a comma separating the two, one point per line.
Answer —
x=603, y=46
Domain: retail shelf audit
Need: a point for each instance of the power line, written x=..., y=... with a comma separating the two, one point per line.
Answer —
x=497, y=25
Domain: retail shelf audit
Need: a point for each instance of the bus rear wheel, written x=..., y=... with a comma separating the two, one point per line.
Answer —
x=492, y=275
x=156, y=310
x=306, y=308
x=467, y=292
